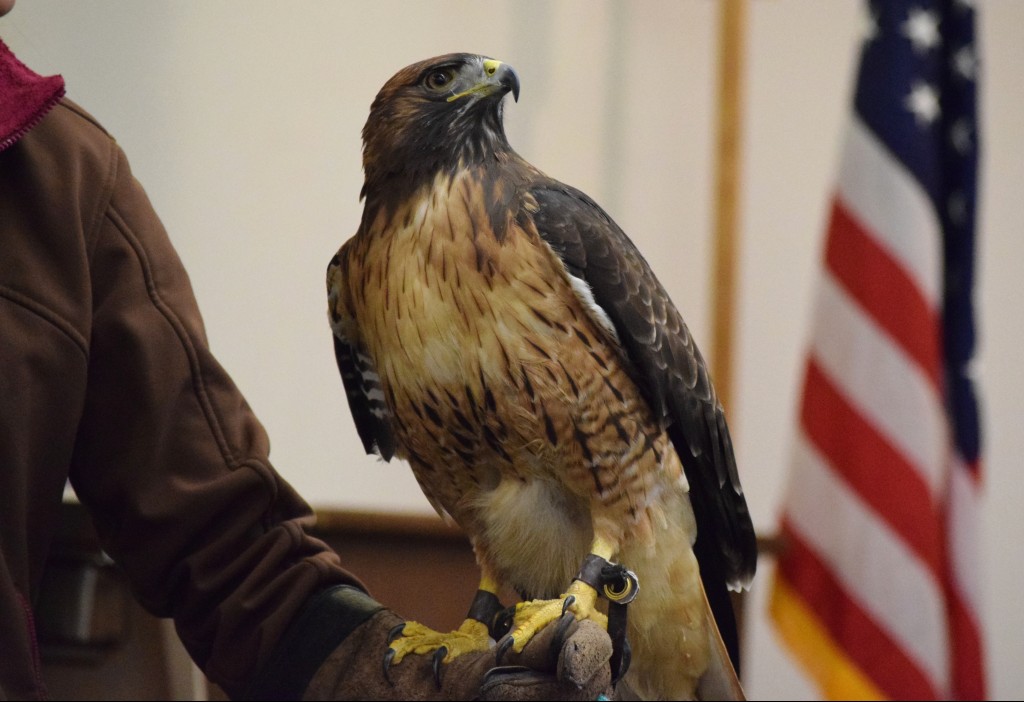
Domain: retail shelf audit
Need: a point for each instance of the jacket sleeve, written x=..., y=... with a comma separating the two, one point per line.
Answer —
x=172, y=463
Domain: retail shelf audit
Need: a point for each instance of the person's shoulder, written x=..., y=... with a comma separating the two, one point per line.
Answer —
x=69, y=140
x=72, y=129
x=67, y=110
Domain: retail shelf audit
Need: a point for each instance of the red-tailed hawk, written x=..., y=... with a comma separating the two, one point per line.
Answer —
x=496, y=329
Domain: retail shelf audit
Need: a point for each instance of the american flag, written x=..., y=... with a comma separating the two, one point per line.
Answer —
x=877, y=590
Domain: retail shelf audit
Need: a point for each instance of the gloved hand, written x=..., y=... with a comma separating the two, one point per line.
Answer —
x=560, y=663
x=570, y=664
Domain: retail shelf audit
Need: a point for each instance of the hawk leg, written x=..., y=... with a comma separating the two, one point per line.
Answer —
x=472, y=635
x=580, y=599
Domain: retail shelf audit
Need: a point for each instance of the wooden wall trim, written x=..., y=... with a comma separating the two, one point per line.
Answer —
x=367, y=523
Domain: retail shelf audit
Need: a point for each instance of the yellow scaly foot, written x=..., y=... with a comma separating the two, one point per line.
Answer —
x=472, y=635
x=580, y=599
x=413, y=637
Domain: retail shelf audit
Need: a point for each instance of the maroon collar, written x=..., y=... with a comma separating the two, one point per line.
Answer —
x=25, y=96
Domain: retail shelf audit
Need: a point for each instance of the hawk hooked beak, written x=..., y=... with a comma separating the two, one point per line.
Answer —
x=498, y=78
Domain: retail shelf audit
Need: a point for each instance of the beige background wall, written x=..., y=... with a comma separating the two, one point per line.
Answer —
x=242, y=120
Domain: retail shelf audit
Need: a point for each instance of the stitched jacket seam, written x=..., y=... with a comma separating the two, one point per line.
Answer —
x=92, y=233
x=168, y=313
x=53, y=318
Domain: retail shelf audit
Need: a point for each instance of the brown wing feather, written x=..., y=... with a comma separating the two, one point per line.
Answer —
x=370, y=413
x=673, y=378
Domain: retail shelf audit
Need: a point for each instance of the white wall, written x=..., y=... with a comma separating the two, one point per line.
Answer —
x=242, y=120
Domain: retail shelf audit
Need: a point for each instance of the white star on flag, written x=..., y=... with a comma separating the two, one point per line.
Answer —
x=960, y=135
x=869, y=28
x=923, y=102
x=965, y=63
x=922, y=28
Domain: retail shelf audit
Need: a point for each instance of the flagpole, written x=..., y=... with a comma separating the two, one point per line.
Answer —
x=731, y=35
x=731, y=26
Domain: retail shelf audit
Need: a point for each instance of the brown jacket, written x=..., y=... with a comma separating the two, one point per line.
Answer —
x=106, y=378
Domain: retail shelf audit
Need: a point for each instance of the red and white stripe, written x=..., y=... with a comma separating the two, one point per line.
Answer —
x=876, y=489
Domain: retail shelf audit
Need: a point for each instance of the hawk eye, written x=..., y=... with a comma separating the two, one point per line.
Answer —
x=439, y=79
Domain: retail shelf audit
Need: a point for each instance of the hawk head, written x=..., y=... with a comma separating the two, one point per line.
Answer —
x=436, y=115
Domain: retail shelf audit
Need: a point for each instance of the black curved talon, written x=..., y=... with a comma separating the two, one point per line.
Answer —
x=502, y=623
x=503, y=648
x=439, y=656
x=395, y=632
x=561, y=633
x=569, y=602
x=389, y=656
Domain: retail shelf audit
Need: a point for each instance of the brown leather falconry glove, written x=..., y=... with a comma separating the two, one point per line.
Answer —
x=560, y=663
